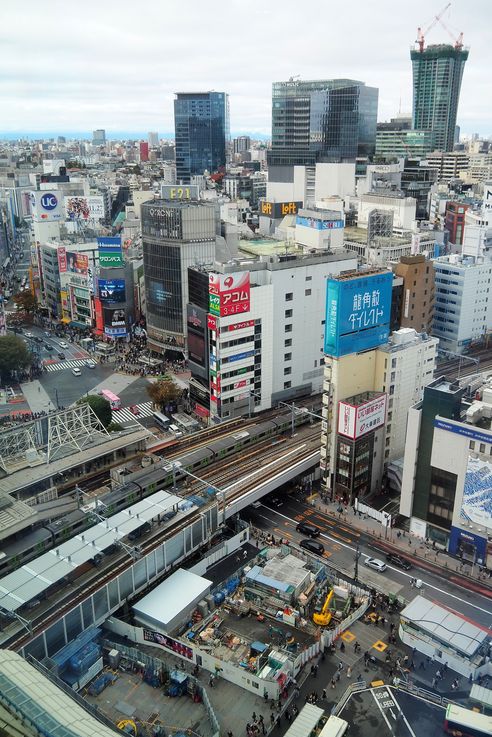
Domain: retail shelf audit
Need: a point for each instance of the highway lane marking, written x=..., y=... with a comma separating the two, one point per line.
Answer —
x=381, y=710
x=397, y=570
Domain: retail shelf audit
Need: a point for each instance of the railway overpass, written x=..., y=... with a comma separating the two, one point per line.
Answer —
x=88, y=595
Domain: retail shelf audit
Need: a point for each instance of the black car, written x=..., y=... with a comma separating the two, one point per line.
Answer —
x=398, y=561
x=313, y=546
x=307, y=529
x=48, y=347
x=61, y=356
x=274, y=500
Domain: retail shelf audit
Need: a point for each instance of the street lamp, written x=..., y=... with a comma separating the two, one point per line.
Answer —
x=356, y=567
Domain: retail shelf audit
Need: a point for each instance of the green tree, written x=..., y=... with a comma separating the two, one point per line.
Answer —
x=163, y=391
x=14, y=355
x=100, y=406
x=25, y=301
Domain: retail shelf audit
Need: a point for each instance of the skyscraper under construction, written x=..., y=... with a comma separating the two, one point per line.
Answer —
x=437, y=75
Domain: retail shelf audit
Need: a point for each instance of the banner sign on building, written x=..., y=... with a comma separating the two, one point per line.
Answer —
x=164, y=641
x=477, y=493
x=114, y=318
x=357, y=313
x=110, y=254
x=77, y=263
x=112, y=290
x=241, y=325
x=355, y=421
x=176, y=192
x=211, y=322
x=45, y=206
x=276, y=210
x=319, y=224
x=84, y=208
x=229, y=294
x=62, y=259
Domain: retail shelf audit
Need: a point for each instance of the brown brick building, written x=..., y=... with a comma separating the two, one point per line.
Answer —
x=417, y=307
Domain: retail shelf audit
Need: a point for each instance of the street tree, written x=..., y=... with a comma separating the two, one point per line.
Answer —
x=14, y=356
x=25, y=302
x=100, y=406
x=163, y=391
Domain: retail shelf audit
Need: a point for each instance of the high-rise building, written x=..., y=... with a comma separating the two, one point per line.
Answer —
x=201, y=123
x=397, y=139
x=99, y=137
x=321, y=121
x=144, y=151
x=153, y=139
x=437, y=74
x=175, y=236
x=241, y=144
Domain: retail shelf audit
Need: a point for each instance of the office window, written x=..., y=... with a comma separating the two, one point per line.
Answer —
x=287, y=356
x=289, y=296
x=287, y=370
x=307, y=292
x=287, y=384
x=288, y=313
x=287, y=342
x=288, y=328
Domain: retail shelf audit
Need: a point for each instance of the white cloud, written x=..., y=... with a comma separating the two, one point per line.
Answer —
x=115, y=64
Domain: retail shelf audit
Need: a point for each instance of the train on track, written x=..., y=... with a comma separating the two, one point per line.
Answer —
x=31, y=544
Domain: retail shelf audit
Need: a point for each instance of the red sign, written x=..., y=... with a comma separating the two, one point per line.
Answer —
x=240, y=384
x=241, y=325
x=62, y=259
x=233, y=290
x=99, y=314
x=211, y=322
x=201, y=411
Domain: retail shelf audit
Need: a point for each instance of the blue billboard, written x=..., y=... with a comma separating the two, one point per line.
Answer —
x=319, y=224
x=112, y=291
x=357, y=313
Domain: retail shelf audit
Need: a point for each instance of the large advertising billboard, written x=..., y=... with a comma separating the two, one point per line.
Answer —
x=46, y=206
x=355, y=421
x=229, y=294
x=77, y=263
x=84, y=208
x=357, y=313
x=197, y=335
x=319, y=224
x=114, y=318
x=110, y=252
x=112, y=291
x=477, y=493
x=278, y=210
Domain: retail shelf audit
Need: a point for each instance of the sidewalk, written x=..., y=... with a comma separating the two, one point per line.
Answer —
x=36, y=397
x=406, y=544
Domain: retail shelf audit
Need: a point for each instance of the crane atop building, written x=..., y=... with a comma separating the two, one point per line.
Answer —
x=421, y=35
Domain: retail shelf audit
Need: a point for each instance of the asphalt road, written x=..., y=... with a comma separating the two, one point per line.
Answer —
x=340, y=545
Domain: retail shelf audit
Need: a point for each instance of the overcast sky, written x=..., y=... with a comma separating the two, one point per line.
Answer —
x=115, y=64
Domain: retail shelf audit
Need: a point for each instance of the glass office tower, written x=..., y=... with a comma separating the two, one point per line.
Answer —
x=201, y=125
x=322, y=121
x=437, y=75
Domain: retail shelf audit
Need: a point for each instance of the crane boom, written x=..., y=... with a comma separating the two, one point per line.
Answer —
x=422, y=34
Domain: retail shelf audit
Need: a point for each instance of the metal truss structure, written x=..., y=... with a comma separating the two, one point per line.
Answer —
x=51, y=437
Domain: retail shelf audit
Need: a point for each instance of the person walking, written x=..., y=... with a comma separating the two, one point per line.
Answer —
x=349, y=671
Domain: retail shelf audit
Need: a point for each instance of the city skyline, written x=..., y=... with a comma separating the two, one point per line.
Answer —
x=104, y=71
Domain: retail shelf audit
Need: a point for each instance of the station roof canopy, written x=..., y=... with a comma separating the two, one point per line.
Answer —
x=444, y=625
x=36, y=576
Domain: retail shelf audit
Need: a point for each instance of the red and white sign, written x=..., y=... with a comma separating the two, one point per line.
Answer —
x=353, y=422
x=240, y=384
x=211, y=322
x=241, y=325
x=234, y=292
x=62, y=259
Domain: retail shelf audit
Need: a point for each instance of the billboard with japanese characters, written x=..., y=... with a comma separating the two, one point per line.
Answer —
x=355, y=421
x=229, y=294
x=357, y=313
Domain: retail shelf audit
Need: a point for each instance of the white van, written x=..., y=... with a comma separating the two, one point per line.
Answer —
x=175, y=431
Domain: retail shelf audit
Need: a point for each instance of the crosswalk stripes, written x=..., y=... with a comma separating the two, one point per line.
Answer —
x=59, y=366
x=125, y=415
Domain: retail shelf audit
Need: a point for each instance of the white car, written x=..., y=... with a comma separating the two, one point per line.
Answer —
x=28, y=334
x=76, y=371
x=91, y=364
x=62, y=344
x=376, y=564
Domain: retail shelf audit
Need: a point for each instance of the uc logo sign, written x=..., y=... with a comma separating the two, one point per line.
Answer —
x=48, y=202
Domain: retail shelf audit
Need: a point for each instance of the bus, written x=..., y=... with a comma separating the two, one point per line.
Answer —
x=161, y=420
x=334, y=727
x=462, y=722
x=113, y=400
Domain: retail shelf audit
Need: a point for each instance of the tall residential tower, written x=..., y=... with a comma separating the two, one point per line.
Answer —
x=437, y=74
x=201, y=123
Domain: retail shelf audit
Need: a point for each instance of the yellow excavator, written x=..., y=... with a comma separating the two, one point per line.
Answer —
x=323, y=616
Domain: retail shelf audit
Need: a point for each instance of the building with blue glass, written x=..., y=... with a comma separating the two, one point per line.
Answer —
x=201, y=124
x=320, y=121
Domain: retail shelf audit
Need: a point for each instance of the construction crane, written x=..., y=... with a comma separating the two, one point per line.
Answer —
x=421, y=35
x=323, y=616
